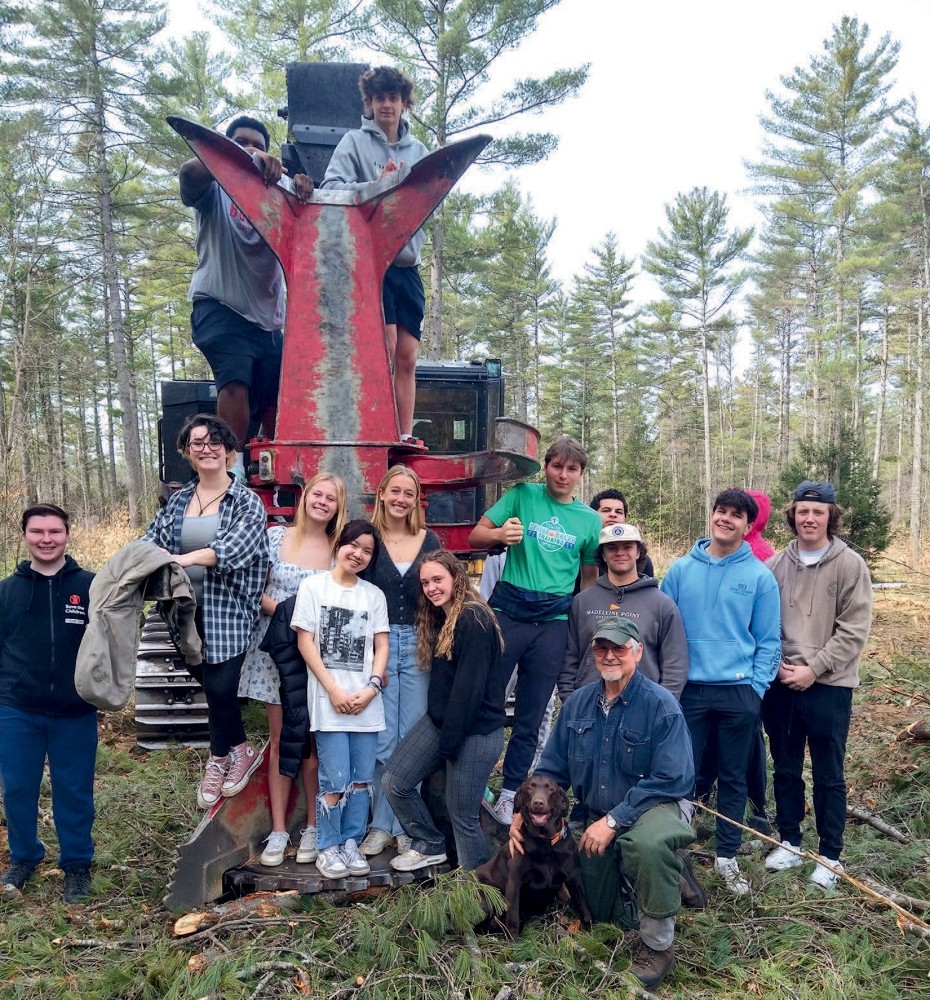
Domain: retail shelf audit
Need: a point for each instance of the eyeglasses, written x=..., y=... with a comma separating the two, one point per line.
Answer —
x=617, y=650
x=210, y=443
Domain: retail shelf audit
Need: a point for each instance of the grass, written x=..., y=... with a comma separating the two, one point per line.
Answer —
x=785, y=941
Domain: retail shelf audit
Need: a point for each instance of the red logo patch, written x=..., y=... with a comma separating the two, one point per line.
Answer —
x=74, y=599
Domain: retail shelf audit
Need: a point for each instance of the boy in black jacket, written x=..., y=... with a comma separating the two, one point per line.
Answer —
x=43, y=614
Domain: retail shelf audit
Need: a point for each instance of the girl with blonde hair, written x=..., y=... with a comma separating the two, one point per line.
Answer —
x=301, y=550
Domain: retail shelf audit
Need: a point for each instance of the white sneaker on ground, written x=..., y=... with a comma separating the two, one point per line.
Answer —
x=354, y=859
x=307, y=851
x=375, y=842
x=273, y=854
x=503, y=810
x=822, y=876
x=411, y=860
x=404, y=843
x=331, y=864
x=783, y=858
x=733, y=878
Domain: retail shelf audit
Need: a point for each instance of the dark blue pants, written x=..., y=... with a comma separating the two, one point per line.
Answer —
x=70, y=744
x=756, y=775
x=536, y=649
x=817, y=718
x=724, y=717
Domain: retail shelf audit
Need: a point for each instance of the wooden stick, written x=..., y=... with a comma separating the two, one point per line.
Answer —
x=858, y=812
x=912, y=902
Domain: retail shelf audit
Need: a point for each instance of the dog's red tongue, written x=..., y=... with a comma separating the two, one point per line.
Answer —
x=540, y=819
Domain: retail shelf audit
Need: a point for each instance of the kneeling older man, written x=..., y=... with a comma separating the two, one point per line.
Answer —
x=623, y=745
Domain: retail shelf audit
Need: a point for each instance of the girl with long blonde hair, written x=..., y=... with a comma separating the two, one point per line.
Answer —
x=398, y=517
x=301, y=550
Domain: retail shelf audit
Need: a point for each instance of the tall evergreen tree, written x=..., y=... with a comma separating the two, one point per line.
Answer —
x=695, y=262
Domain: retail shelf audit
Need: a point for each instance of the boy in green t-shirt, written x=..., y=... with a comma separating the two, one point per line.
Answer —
x=548, y=534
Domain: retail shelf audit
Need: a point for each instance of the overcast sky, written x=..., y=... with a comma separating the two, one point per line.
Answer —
x=673, y=101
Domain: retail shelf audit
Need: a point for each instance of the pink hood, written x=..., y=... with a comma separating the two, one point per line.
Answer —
x=760, y=547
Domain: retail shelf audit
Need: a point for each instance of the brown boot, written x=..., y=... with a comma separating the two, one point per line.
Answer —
x=692, y=892
x=650, y=966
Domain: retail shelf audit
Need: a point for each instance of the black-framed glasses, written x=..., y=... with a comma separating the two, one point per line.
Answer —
x=210, y=443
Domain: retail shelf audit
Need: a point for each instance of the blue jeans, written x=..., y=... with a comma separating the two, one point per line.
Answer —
x=70, y=744
x=404, y=701
x=416, y=758
x=347, y=766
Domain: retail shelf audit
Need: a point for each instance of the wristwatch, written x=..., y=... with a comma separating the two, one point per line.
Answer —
x=611, y=822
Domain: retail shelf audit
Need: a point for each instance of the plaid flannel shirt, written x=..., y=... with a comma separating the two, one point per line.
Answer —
x=232, y=589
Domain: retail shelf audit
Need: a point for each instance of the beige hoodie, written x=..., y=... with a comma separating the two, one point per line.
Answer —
x=826, y=611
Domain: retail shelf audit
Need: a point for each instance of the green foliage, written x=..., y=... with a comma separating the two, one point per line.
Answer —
x=867, y=521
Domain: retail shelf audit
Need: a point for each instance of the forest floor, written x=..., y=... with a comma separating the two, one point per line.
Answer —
x=786, y=939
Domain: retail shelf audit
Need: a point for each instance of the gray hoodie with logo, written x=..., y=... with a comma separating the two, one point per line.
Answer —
x=665, y=648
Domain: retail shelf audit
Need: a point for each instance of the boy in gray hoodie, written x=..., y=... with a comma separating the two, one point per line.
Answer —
x=378, y=149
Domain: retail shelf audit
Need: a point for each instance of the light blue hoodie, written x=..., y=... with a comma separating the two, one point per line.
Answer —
x=731, y=610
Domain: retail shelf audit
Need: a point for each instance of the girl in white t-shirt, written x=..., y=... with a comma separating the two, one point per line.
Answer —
x=342, y=633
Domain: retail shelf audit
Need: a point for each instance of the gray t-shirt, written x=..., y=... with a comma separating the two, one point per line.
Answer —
x=234, y=264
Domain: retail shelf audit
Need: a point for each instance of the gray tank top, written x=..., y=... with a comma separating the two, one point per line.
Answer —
x=198, y=533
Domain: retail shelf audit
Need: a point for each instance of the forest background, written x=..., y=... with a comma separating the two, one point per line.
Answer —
x=720, y=354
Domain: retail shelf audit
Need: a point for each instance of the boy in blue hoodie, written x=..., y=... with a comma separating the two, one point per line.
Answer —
x=731, y=610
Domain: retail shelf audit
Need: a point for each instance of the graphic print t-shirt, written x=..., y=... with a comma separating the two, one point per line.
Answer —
x=344, y=622
x=557, y=539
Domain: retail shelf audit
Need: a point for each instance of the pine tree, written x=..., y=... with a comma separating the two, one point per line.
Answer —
x=694, y=262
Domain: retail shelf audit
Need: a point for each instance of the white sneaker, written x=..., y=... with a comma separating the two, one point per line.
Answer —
x=782, y=858
x=375, y=842
x=273, y=854
x=822, y=876
x=404, y=843
x=331, y=864
x=503, y=810
x=733, y=878
x=354, y=859
x=411, y=860
x=307, y=851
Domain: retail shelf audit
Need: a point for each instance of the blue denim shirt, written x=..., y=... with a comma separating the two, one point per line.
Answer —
x=636, y=757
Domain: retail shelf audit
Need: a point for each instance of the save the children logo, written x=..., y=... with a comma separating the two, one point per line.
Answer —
x=74, y=599
x=551, y=536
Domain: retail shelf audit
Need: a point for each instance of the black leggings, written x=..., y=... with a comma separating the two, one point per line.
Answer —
x=220, y=682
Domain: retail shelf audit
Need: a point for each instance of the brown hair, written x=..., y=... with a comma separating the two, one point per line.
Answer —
x=46, y=510
x=569, y=450
x=435, y=629
x=415, y=520
x=385, y=80
x=337, y=521
x=833, y=523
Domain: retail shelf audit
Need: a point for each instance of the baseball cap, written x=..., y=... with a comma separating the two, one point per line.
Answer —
x=618, y=630
x=819, y=492
x=619, y=533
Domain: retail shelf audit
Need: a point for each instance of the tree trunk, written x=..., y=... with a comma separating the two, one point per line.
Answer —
x=882, y=399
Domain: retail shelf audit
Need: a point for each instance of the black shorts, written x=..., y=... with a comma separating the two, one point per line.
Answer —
x=403, y=299
x=238, y=351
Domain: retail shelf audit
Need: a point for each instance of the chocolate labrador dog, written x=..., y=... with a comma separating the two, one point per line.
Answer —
x=531, y=881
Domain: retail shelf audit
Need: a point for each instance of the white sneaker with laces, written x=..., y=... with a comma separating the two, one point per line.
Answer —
x=375, y=842
x=307, y=851
x=404, y=843
x=503, y=810
x=354, y=859
x=781, y=859
x=733, y=878
x=411, y=860
x=822, y=876
x=331, y=864
x=273, y=854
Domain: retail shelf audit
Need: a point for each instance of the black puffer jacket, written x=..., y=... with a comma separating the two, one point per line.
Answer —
x=280, y=643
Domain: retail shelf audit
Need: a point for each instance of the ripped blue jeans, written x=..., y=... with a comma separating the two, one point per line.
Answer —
x=347, y=767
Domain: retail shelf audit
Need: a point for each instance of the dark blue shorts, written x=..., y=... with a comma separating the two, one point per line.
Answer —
x=403, y=298
x=238, y=351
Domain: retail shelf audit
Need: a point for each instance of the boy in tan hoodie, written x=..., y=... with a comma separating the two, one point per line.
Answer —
x=826, y=614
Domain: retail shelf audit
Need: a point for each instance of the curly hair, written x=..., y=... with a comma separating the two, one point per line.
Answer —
x=435, y=629
x=385, y=80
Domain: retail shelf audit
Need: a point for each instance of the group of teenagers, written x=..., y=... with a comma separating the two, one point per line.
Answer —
x=379, y=664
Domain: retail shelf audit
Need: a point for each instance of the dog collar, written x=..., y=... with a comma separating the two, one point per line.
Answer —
x=561, y=835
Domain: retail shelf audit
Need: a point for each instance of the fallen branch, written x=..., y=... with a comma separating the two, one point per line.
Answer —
x=916, y=732
x=905, y=917
x=262, y=983
x=228, y=925
x=95, y=943
x=262, y=967
x=911, y=902
x=263, y=904
x=864, y=816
